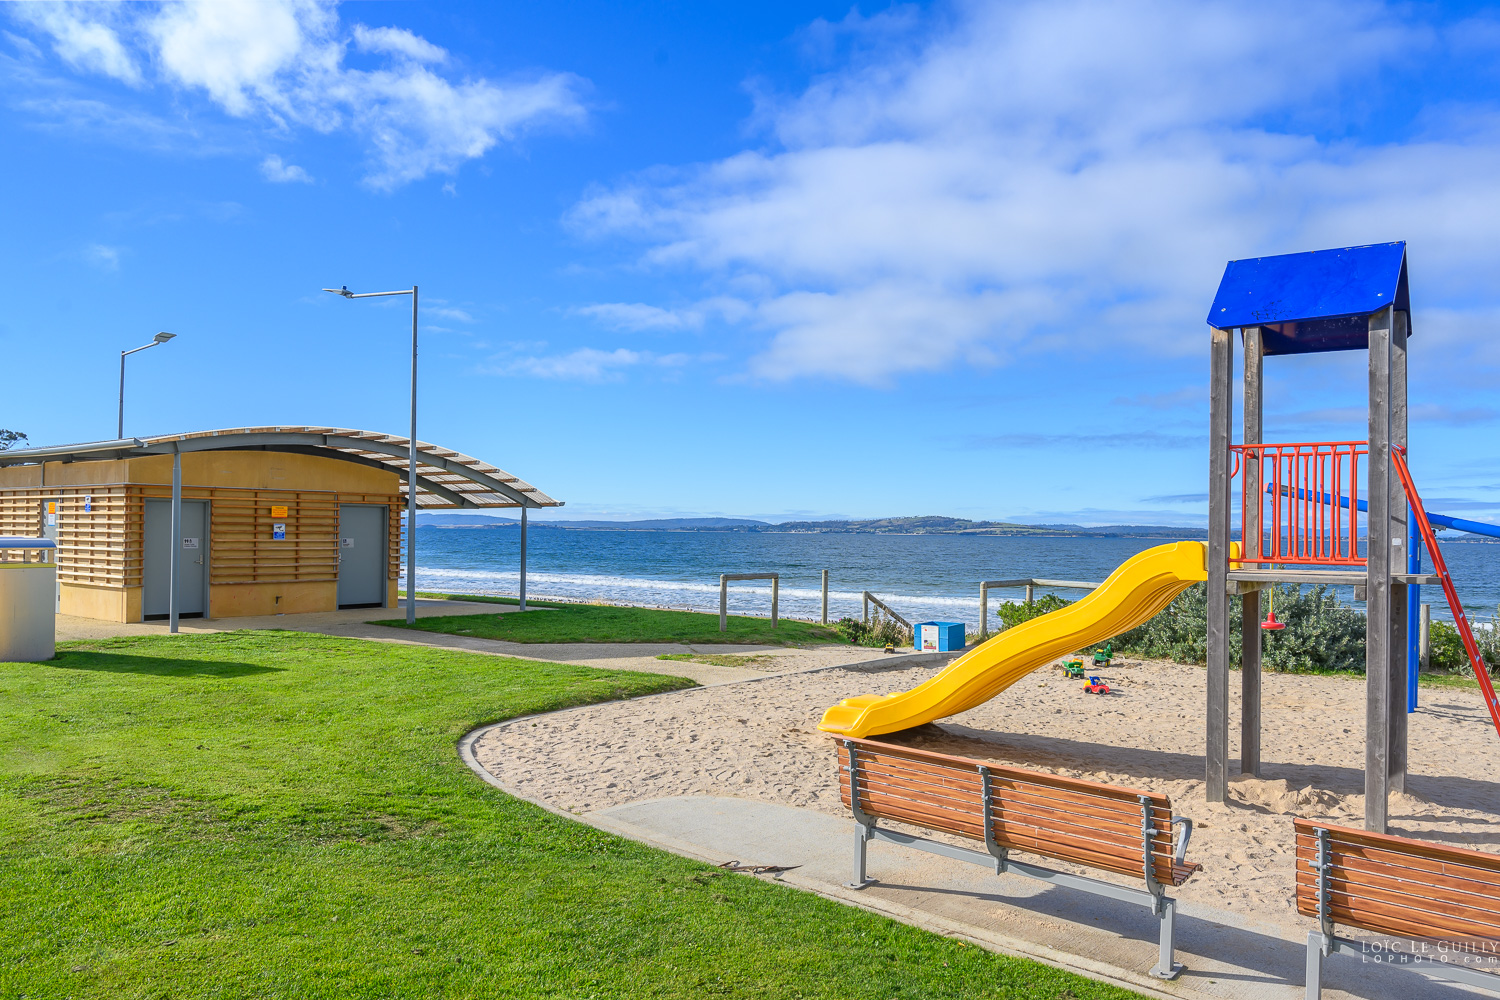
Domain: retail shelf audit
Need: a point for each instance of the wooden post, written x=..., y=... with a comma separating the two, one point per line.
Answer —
x=984, y=610
x=1378, y=579
x=825, y=597
x=523, y=558
x=1030, y=593
x=1400, y=536
x=723, y=602
x=1250, y=638
x=1424, y=642
x=1221, y=412
x=775, y=597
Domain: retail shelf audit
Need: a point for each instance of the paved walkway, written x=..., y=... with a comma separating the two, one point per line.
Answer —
x=355, y=623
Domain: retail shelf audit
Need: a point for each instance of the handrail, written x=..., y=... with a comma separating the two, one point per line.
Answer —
x=1481, y=671
x=724, y=579
x=872, y=599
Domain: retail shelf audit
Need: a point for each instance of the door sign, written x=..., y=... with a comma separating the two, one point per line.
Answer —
x=348, y=543
x=190, y=543
x=278, y=531
x=51, y=513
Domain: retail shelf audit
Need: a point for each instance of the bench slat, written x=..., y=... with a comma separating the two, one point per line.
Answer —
x=1403, y=845
x=1433, y=868
x=1111, y=826
x=966, y=764
x=1126, y=811
x=1124, y=859
x=1367, y=891
x=1389, y=918
x=1414, y=882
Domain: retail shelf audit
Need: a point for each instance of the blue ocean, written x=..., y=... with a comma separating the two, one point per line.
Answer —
x=923, y=577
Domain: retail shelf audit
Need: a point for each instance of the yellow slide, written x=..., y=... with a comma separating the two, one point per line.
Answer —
x=1141, y=587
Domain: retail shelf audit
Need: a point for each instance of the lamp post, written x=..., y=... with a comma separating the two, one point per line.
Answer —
x=411, y=465
x=160, y=338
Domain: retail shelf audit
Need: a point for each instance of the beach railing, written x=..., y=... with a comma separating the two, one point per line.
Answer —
x=872, y=599
x=1030, y=585
x=724, y=579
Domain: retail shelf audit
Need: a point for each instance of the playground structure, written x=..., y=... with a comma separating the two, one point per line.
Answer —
x=1299, y=518
x=1296, y=522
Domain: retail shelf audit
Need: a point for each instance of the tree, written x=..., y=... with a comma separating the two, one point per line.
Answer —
x=9, y=439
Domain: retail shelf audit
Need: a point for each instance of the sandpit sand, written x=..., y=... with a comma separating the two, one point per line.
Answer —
x=759, y=740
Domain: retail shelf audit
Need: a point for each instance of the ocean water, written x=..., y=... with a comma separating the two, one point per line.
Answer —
x=922, y=576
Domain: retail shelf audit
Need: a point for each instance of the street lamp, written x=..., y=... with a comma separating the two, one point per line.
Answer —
x=160, y=338
x=411, y=465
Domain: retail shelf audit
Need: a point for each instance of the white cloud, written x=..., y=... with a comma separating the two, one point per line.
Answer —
x=283, y=62
x=106, y=258
x=398, y=42
x=1064, y=175
x=450, y=312
x=274, y=170
x=85, y=43
x=638, y=316
x=586, y=364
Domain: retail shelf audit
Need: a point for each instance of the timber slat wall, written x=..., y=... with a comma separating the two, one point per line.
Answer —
x=104, y=546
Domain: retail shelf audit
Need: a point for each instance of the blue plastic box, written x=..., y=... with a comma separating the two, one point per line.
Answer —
x=941, y=637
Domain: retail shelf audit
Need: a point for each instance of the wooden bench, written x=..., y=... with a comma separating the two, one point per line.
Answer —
x=1446, y=897
x=1118, y=830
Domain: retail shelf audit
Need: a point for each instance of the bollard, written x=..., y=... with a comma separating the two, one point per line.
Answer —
x=723, y=602
x=825, y=597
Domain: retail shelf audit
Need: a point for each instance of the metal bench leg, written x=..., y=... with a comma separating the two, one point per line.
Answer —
x=1315, y=949
x=861, y=838
x=1166, y=967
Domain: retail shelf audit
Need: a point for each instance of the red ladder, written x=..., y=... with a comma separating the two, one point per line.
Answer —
x=1398, y=458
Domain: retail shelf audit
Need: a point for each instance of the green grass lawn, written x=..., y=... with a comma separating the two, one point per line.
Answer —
x=274, y=814
x=608, y=623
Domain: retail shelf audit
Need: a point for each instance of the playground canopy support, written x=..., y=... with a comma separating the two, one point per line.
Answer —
x=1354, y=298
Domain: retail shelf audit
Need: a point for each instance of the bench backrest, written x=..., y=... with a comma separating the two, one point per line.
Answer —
x=1100, y=826
x=1393, y=885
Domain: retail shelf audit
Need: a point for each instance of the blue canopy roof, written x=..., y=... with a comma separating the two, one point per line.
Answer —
x=1315, y=301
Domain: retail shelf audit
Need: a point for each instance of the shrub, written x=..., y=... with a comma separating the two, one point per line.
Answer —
x=1446, y=648
x=1013, y=613
x=878, y=633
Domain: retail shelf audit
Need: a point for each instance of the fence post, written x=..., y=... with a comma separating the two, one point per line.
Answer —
x=1030, y=593
x=867, y=607
x=723, y=602
x=825, y=597
x=775, y=596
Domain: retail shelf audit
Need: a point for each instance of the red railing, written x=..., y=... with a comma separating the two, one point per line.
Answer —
x=1299, y=503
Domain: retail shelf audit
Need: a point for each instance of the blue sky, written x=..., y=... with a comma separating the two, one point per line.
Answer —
x=775, y=260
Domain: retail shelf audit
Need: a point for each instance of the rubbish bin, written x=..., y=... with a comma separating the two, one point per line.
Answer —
x=28, y=599
x=942, y=637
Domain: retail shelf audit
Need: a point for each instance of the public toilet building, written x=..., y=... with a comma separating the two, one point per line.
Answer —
x=274, y=520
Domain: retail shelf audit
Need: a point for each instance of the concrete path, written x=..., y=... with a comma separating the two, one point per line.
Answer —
x=1097, y=937
x=355, y=623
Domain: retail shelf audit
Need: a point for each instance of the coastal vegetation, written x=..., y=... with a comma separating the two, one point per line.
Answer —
x=280, y=814
x=1322, y=634
x=878, y=632
x=556, y=622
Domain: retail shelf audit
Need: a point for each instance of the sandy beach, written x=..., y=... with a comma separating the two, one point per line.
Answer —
x=759, y=740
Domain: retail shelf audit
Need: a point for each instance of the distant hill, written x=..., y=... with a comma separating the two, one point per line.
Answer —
x=930, y=525
x=934, y=525
x=653, y=524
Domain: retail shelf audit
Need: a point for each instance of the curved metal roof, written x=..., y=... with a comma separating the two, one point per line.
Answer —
x=445, y=478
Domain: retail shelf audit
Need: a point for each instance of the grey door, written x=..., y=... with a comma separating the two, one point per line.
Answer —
x=192, y=590
x=362, y=555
